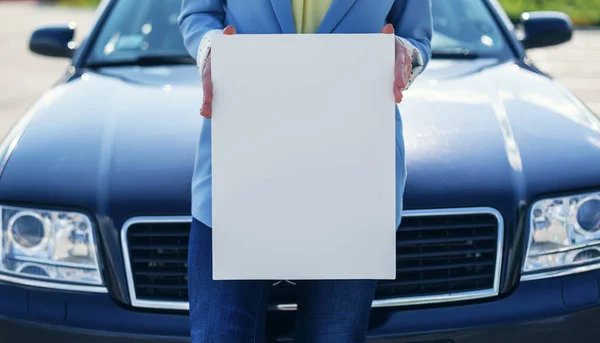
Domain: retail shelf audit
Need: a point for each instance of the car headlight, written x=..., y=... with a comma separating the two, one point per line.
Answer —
x=564, y=236
x=54, y=246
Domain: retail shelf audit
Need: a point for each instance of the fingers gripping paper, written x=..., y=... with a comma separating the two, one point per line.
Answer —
x=303, y=157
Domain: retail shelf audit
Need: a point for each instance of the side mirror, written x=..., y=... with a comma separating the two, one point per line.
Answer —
x=543, y=29
x=54, y=41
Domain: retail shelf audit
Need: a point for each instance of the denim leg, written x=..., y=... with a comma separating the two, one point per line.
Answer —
x=222, y=311
x=333, y=311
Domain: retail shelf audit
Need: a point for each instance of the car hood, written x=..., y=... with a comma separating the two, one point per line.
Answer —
x=120, y=142
x=490, y=132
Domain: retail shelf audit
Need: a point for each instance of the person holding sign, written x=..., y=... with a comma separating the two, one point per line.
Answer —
x=328, y=310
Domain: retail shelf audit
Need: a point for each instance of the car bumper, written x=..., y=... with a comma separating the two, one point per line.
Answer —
x=561, y=309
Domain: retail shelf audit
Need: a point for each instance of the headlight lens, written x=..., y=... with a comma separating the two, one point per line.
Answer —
x=51, y=245
x=564, y=233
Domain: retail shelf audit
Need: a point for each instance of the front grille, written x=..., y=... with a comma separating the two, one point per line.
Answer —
x=158, y=259
x=441, y=256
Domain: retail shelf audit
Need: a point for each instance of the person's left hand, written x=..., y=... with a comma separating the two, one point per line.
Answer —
x=402, y=67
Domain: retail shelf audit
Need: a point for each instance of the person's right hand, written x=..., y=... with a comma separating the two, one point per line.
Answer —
x=207, y=85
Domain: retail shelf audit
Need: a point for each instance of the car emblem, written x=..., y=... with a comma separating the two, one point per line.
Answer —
x=284, y=281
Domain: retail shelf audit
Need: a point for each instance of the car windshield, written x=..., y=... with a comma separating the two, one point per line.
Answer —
x=146, y=31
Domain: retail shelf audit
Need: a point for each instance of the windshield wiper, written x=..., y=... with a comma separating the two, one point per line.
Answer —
x=464, y=54
x=146, y=61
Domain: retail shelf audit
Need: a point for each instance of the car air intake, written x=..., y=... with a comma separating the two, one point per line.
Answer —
x=441, y=256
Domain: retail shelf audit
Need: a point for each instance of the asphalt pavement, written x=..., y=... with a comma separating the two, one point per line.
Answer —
x=575, y=64
x=24, y=76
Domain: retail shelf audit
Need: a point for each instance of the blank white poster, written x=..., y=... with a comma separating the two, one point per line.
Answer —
x=303, y=157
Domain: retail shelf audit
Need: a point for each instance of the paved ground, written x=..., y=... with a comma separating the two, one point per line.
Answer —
x=576, y=65
x=24, y=76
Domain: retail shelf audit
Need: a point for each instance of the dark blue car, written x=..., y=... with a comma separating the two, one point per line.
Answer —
x=501, y=236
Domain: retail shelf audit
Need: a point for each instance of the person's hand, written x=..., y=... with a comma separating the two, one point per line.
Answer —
x=402, y=66
x=207, y=85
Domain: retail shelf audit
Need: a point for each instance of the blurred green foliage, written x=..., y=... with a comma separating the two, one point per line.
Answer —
x=79, y=3
x=582, y=12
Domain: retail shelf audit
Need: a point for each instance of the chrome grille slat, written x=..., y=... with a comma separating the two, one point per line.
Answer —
x=442, y=256
x=449, y=266
x=445, y=240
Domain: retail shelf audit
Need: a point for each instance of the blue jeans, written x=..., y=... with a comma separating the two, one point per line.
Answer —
x=329, y=311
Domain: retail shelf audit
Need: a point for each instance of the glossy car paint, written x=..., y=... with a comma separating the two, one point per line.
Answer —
x=476, y=133
x=119, y=142
x=535, y=312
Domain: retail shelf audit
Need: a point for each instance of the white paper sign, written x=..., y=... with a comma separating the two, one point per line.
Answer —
x=303, y=157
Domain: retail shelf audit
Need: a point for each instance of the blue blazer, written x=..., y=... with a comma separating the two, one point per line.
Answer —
x=410, y=18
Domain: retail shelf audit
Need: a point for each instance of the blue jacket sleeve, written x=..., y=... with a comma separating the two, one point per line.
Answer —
x=197, y=18
x=412, y=20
